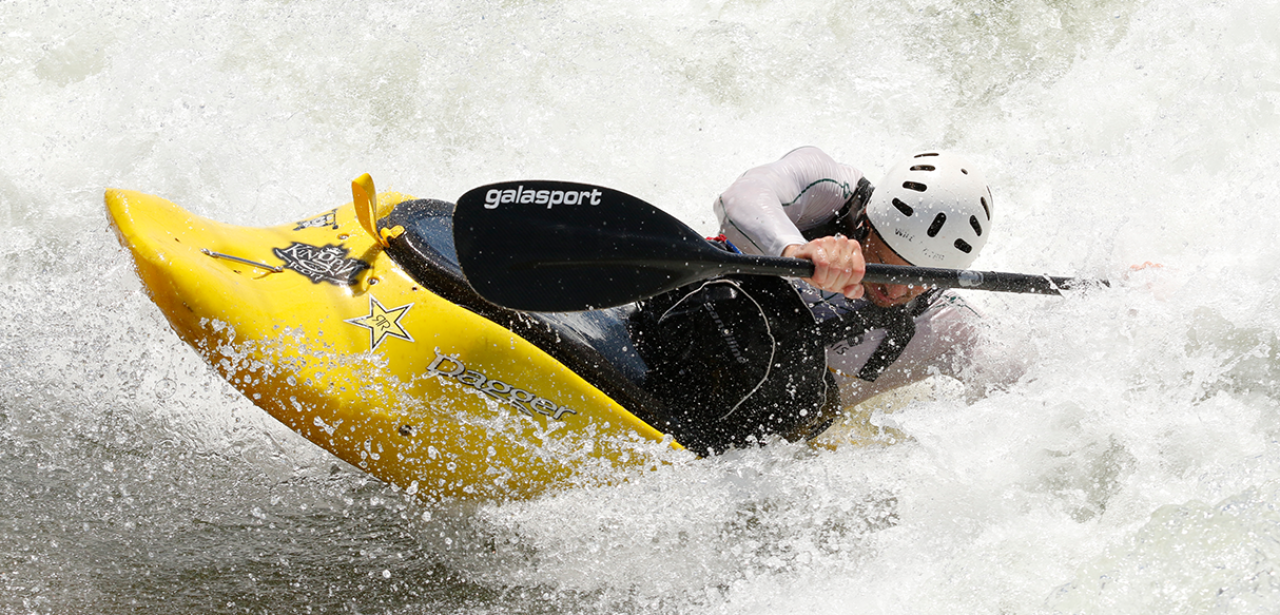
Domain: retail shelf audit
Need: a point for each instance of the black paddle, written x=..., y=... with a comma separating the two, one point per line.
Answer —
x=549, y=246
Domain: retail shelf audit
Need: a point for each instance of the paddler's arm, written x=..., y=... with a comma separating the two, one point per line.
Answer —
x=764, y=210
x=752, y=215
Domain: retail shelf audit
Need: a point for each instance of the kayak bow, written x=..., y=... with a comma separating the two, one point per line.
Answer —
x=315, y=323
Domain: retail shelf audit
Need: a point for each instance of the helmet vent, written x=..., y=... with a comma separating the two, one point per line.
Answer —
x=977, y=226
x=903, y=207
x=924, y=167
x=926, y=155
x=938, y=221
x=986, y=207
x=917, y=186
x=963, y=246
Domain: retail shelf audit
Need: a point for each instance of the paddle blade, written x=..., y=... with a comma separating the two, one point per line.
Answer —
x=551, y=246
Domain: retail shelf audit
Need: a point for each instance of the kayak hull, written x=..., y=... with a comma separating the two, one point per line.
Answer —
x=317, y=325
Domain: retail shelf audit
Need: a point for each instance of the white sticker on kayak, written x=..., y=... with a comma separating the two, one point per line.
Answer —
x=328, y=219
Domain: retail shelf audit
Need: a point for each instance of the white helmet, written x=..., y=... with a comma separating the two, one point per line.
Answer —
x=933, y=209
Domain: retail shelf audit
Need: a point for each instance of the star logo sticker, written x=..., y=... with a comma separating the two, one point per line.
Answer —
x=382, y=322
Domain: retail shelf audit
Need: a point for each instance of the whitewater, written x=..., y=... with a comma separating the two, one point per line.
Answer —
x=1135, y=468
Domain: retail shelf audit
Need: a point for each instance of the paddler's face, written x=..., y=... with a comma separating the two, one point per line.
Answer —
x=874, y=250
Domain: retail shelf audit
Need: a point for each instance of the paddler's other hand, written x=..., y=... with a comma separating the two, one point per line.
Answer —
x=838, y=265
x=1163, y=284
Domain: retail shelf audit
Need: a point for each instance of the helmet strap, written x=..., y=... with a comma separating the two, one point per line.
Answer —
x=852, y=217
x=859, y=226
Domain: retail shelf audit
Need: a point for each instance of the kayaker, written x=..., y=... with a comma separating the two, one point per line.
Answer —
x=932, y=209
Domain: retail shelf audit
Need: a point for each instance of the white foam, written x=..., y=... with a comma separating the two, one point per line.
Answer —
x=1131, y=471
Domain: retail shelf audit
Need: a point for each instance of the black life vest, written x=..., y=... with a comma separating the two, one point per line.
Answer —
x=734, y=360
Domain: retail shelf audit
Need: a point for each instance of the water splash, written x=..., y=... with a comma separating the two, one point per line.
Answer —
x=1114, y=133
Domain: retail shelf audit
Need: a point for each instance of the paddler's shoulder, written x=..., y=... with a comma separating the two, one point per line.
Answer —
x=950, y=302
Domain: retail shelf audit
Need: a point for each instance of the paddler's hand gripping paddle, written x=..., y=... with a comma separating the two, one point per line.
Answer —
x=550, y=246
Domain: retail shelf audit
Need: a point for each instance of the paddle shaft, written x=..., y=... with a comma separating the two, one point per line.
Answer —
x=913, y=276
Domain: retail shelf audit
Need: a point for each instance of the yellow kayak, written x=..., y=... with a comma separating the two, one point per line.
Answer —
x=317, y=324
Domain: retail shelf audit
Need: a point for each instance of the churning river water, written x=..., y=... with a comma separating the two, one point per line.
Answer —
x=1135, y=468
